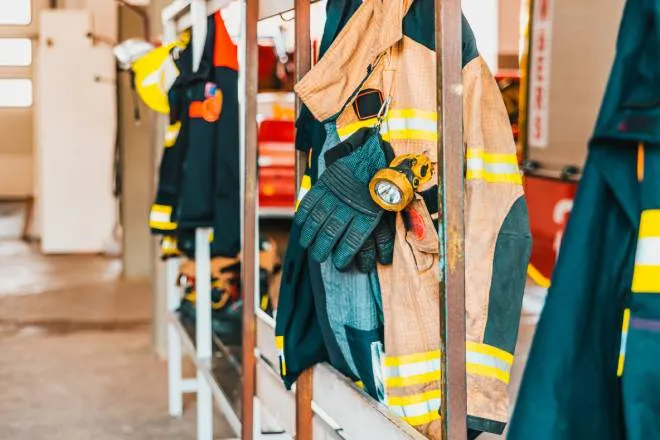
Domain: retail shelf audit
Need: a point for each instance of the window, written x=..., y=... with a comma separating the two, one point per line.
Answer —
x=15, y=51
x=15, y=93
x=15, y=12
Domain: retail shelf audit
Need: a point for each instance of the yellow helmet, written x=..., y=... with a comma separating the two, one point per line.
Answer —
x=155, y=72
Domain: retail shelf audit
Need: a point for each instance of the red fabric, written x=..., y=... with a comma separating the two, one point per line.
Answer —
x=226, y=52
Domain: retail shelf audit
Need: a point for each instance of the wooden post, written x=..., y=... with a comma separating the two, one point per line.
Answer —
x=453, y=408
x=305, y=383
x=250, y=200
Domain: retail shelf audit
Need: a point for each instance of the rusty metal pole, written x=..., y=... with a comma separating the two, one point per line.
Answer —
x=249, y=251
x=305, y=383
x=451, y=232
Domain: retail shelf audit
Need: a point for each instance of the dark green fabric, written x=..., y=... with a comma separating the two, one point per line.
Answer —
x=419, y=25
x=570, y=388
x=210, y=189
x=512, y=251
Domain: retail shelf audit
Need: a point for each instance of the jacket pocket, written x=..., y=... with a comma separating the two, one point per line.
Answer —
x=421, y=235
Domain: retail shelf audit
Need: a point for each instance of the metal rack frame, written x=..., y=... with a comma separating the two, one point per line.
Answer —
x=324, y=404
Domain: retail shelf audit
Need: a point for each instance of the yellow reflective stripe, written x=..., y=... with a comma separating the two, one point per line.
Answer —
x=409, y=113
x=492, y=167
x=478, y=153
x=349, y=129
x=412, y=399
x=264, y=302
x=409, y=134
x=163, y=226
x=493, y=178
x=397, y=382
x=646, y=279
x=305, y=186
x=163, y=209
x=486, y=360
x=171, y=134
x=423, y=419
x=490, y=351
x=649, y=224
x=624, y=340
x=395, y=361
x=487, y=371
x=279, y=344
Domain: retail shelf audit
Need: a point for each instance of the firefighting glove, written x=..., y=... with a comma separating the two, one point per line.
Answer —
x=338, y=216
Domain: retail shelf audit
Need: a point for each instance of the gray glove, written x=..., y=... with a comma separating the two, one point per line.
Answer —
x=338, y=217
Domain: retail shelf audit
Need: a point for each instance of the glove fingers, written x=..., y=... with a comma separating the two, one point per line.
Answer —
x=384, y=242
x=330, y=233
x=316, y=218
x=307, y=204
x=365, y=261
x=356, y=234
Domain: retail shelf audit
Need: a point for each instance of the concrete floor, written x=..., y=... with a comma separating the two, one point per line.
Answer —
x=76, y=361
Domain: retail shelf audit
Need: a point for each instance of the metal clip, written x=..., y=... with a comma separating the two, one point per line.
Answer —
x=382, y=113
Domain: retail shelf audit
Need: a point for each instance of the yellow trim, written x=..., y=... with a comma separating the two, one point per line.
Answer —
x=486, y=371
x=282, y=366
x=264, y=302
x=162, y=209
x=410, y=134
x=172, y=129
x=351, y=128
x=490, y=351
x=537, y=276
x=396, y=361
x=626, y=320
x=306, y=182
x=423, y=419
x=413, y=399
x=649, y=223
x=359, y=384
x=640, y=161
x=279, y=342
x=163, y=226
x=409, y=113
x=478, y=153
x=397, y=382
x=493, y=177
x=646, y=279
x=619, y=368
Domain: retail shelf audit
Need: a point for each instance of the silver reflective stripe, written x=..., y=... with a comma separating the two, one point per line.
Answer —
x=476, y=163
x=489, y=361
x=648, y=251
x=416, y=409
x=413, y=369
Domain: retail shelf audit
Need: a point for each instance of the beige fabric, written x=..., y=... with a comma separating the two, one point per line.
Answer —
x=409, y=287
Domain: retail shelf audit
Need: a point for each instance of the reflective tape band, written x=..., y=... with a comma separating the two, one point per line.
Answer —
x=417, y=409
x=492, y=168
x=624, y=341
x=171, y=134
x=160, y=218
x=488, y=361
x=648, y=251
x=305, y=186
x=399, y=124
x=279, y=344
x=412, y=369
x=646, y=276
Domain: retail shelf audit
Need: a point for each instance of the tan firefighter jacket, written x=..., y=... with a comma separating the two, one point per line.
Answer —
x=385, y=46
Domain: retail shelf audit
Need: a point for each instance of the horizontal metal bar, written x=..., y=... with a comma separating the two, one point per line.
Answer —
x=276, y=212
x=189, y=385
x=363, y=417
x=279, y=402
x=204, y=366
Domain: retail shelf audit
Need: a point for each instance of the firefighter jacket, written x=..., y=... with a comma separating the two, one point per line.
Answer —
x=210, y=188
x=387, y=49
x=593, y=366
x=163, y=210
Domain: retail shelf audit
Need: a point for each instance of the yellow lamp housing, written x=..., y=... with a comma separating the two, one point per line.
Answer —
x=393, y=188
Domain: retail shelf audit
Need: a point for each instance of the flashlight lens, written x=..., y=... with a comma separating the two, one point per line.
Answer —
x=388, y=193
